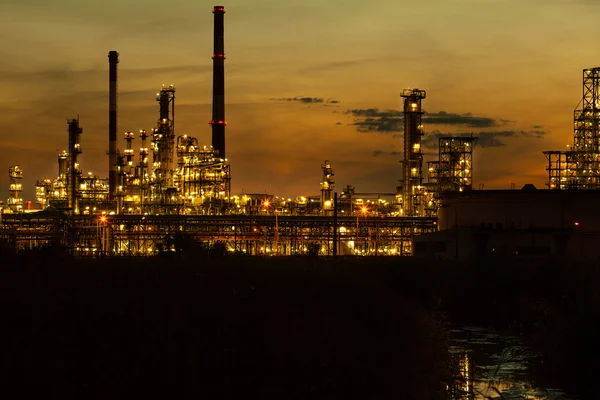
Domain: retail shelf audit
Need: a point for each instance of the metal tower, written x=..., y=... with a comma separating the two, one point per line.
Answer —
x=586, y=143
x=327, y=189
x=218, y=108
x=113, y=60
x=579, y=167
x=129, y=153
x=454, y=170
x=15, y=201
x=163, y=138
x=75, y=132
x=43, y=193
x=412, y=164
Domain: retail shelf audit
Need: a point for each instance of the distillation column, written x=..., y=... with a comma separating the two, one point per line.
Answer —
x=143, y=169
x=74, y=172
x=327, y=189
x=15, y=201
x=164, y=139
x=218, y=110
x=129, y=153
x=113, y=60
x=412, y=164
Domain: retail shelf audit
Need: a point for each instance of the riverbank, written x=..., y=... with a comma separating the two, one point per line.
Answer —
x=552, y=305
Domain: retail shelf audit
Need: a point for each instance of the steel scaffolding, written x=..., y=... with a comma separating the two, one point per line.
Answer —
x=137, y=235
x=579, y=167
x=454, y=169
x=163, y=143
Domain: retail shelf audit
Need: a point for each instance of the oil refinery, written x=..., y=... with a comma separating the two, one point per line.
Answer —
x=164, y=186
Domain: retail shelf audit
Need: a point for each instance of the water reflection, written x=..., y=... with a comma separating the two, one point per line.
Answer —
x=494, y=366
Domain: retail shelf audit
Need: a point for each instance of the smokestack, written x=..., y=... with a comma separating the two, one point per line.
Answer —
x=218, y=111
x=113, y=60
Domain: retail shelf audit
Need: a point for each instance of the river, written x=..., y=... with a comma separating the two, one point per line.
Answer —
x=495, y=366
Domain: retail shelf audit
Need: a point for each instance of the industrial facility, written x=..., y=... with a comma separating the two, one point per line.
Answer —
x=166, y=189
x=558, y=221
x=173, y=187
x=579, y=166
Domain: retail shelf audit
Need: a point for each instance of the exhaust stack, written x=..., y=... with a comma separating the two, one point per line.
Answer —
x=113, y=60
x=218, y=108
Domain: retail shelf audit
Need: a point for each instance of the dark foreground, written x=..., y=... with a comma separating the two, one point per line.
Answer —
x=229, y=328
x=225, y=327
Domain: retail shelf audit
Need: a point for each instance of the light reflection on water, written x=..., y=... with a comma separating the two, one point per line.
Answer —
x=494, y=366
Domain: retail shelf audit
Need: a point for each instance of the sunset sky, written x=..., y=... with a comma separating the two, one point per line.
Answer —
x=303, y=80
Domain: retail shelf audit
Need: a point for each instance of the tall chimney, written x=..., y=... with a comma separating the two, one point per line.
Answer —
x=113, y=60
x=218, y=111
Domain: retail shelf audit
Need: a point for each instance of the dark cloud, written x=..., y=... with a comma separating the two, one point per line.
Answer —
x=466, y=119
x=375, y=120
x=308, y=100
x=484, y=139
x=382, y=124
x=339, y=123
x=305, y=100
x=374, y=112
x=537, y=127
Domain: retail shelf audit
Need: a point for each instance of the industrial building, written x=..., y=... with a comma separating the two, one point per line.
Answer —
x=525, y=222
x=559, y=221
x=171, y=190
x=579, y=166
x=175, y=187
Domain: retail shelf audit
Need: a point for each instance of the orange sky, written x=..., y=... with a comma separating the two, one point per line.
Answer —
x=511, y=66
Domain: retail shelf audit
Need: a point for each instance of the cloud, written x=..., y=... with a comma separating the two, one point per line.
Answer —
x=305, y=100
x=381, y=124
x=484, y=139
x=466, y=119
x=374, y=112
x=308, y=100
x=375, y=120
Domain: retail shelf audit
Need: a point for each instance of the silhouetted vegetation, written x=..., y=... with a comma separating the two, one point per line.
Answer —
x=239, y=326
x=194, y=320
